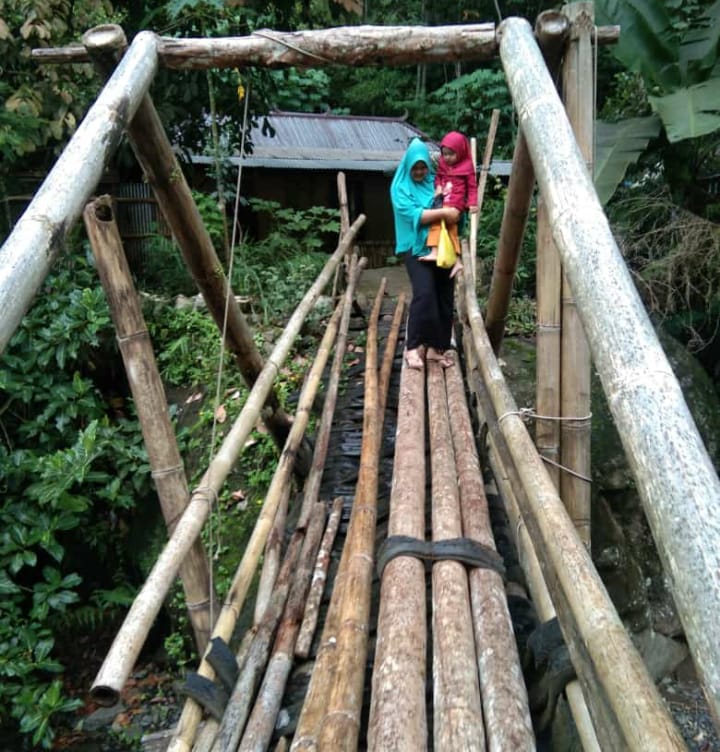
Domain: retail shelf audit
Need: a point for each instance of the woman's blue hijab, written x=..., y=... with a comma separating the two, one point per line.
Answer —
x=409, y=199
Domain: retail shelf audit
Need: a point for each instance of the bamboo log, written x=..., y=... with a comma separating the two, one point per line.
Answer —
x=458, y=715
x=504, y=698
x=344, y=224
x=579, y=95
x=28, y=253
x=311, y=491
x=549, y=322
x=161, y=169
x=322, y=682
x=398, y=719
x=388, y=358
x=238, y=707
x=341, y=725
x=129, y=640
x=261, y=722
x=604, y=657
x=149, y=396
x=319, y=578
x=482, y=183
x=413, y=45
x=273, y=554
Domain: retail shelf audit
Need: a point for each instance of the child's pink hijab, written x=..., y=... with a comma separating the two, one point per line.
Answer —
x=459, y=144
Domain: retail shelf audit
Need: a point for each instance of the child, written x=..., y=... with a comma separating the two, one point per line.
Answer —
x=455, y=182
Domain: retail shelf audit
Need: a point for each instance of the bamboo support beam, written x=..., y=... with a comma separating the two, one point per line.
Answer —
x=678, y=485
x=579, y=96
x=161, y=169
x=355, y=45
x=398, y=719
x=508, y=725
x=127, y=644
x=40, y=234
x=319, y=578
x=148, y=394
x=602, y=653
x=340, y=726
x=317, y=699
x=458, y=712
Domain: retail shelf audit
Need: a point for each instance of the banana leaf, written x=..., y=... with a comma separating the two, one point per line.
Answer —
x=691, y=111
x=617, y=146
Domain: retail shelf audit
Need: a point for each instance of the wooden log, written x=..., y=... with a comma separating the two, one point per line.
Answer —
x=238, y=707
x=322, y=682
x=579, y=95
x=129, y=640
x=389, y=357
x=161, y=169
x=398, y=719
x=273, y=553
x=458, y=716
x=411, y=47
x=344, y=224
x=319, y=578
x=549, y=324
x=261, y=723
x=504, y=698
x=148, y=394
x=602, y=653
x=482, y=183
x=39, y=235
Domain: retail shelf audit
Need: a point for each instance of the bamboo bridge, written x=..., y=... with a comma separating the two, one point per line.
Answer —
x=402, y=679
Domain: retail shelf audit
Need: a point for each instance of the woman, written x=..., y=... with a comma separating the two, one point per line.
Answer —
x=431, y=308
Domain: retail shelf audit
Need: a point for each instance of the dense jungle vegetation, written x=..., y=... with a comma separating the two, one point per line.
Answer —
x=78, y=526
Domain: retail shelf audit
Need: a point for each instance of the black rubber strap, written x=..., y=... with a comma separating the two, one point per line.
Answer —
x=464, y=550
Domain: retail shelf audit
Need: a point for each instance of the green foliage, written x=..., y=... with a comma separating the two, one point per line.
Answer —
x=68, y=470
x=303, y=90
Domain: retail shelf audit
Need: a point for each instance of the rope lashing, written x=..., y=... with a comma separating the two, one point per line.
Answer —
x=465, y=550
x=284, y=43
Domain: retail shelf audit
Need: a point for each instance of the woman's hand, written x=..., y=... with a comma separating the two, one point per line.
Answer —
x=451, y=215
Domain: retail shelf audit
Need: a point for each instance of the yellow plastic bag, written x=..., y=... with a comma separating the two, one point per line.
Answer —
x=446, y=256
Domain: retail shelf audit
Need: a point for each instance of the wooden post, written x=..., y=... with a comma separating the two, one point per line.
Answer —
x=149, y=396
x=155, y=154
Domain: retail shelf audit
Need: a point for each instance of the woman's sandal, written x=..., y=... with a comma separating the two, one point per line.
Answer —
x=414, y=359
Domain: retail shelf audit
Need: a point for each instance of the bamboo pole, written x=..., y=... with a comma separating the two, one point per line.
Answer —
x=344, y=224
x=602, y=653
x=578, y=92
x=129, y=640
x=398, y=719
x=148, y=394
x=161, y=169
x=238, y=706
x=319, y=578
x=340, y=726
x=678, y=485
x=482, y=182
x=549, y=323
x=260, y=725
x=317, y=699
x=311, y=491
x=272, y=557
x=508, y=725
x=389, y=356
x=356, y=45
x=458, y=714
x=40, y=234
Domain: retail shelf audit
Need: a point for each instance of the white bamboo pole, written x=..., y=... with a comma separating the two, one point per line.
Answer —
x=28, y=253
x=129, y=640
x=678, y=485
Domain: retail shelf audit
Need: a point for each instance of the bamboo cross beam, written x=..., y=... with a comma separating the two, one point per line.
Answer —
x=151, y=403
x=352, y=45
x=40, y=233
x=678, y=485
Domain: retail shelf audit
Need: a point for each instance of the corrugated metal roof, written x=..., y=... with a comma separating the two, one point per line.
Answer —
x=307, y=141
